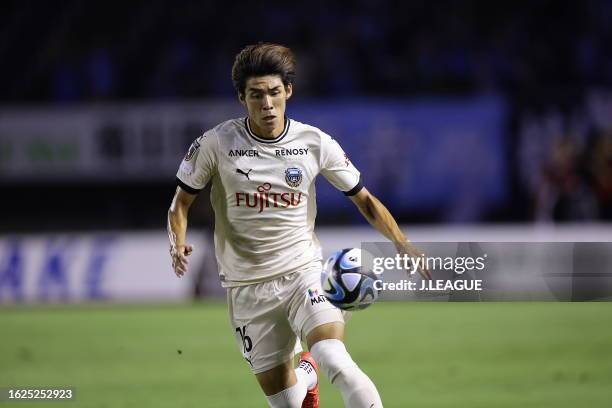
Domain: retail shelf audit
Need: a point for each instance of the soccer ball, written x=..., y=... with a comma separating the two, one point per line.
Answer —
x=345, y=284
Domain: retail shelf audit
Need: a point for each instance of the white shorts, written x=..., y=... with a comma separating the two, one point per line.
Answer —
x=269, y=317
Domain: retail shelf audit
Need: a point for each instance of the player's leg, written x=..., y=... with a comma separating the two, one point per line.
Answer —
x=268, y=343
x=285, y=386
x=281, y=386
x=326, y=346
x=322, y=326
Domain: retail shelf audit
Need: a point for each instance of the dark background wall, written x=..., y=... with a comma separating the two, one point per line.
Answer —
x=546, y=61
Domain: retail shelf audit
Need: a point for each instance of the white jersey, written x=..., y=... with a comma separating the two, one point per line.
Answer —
x=263, y=195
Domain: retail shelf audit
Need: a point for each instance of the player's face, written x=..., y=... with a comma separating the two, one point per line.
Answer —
x=265, y=98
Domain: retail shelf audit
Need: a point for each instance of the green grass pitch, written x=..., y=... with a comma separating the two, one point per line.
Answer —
x=419, y=355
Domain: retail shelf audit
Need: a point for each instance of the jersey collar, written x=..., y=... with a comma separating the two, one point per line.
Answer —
x=261, y=140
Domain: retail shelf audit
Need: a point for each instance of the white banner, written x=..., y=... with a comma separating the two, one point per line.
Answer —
x=133, y=267
x=125, y=267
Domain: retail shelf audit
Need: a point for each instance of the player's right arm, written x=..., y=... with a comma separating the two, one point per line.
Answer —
x=177, y=230
x=194, y=173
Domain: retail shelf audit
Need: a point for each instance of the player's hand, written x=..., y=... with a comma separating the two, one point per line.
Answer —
x=179, y=254
x=413, y=252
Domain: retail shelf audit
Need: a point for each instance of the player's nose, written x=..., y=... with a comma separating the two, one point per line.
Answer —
x=267, y=102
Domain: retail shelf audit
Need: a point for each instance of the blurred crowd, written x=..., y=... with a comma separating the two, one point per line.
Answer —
x=550, y=60
x=82, y=51
x=565, y=161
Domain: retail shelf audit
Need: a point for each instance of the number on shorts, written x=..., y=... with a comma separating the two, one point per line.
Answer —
x=247, y=344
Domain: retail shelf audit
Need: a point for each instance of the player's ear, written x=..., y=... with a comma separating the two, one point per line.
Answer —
x=289, y=90
x=241, y=98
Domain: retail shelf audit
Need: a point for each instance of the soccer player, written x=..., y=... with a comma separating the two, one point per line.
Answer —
x=262, y=168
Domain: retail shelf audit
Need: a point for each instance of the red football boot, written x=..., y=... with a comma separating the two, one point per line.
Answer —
x=312, y=396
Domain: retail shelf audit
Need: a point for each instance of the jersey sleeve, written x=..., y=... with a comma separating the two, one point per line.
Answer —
x=337, y=168
x=199, y=164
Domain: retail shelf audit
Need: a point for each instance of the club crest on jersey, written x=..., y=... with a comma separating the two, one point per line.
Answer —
x=293, y=176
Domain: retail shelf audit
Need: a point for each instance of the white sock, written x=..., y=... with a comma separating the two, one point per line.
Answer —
x=356, y=388
x=306, y=372
x=291, y=397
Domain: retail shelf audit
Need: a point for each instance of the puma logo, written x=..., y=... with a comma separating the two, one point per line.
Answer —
x=246, y=174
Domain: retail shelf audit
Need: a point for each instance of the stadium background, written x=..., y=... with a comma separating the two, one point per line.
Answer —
x=467, y=119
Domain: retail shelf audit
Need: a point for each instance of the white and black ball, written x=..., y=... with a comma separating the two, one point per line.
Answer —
x=345, y=283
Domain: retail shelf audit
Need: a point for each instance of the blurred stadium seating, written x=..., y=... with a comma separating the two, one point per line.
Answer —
x=545, y=63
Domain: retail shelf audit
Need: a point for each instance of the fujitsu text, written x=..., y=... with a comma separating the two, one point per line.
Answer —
x=264, y=198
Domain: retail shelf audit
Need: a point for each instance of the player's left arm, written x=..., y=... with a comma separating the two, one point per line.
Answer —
x=380, y=218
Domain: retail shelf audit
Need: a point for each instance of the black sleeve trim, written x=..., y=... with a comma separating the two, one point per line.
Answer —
x=355, y=189
x=187, y=188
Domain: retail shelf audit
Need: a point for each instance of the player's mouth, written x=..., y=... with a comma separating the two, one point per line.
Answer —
x=269, y=118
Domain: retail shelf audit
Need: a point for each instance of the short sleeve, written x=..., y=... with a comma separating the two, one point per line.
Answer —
x=199, y=164
x=337, y=168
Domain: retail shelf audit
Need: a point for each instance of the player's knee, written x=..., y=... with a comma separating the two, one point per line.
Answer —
x=333, y=358
x=335, y=362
